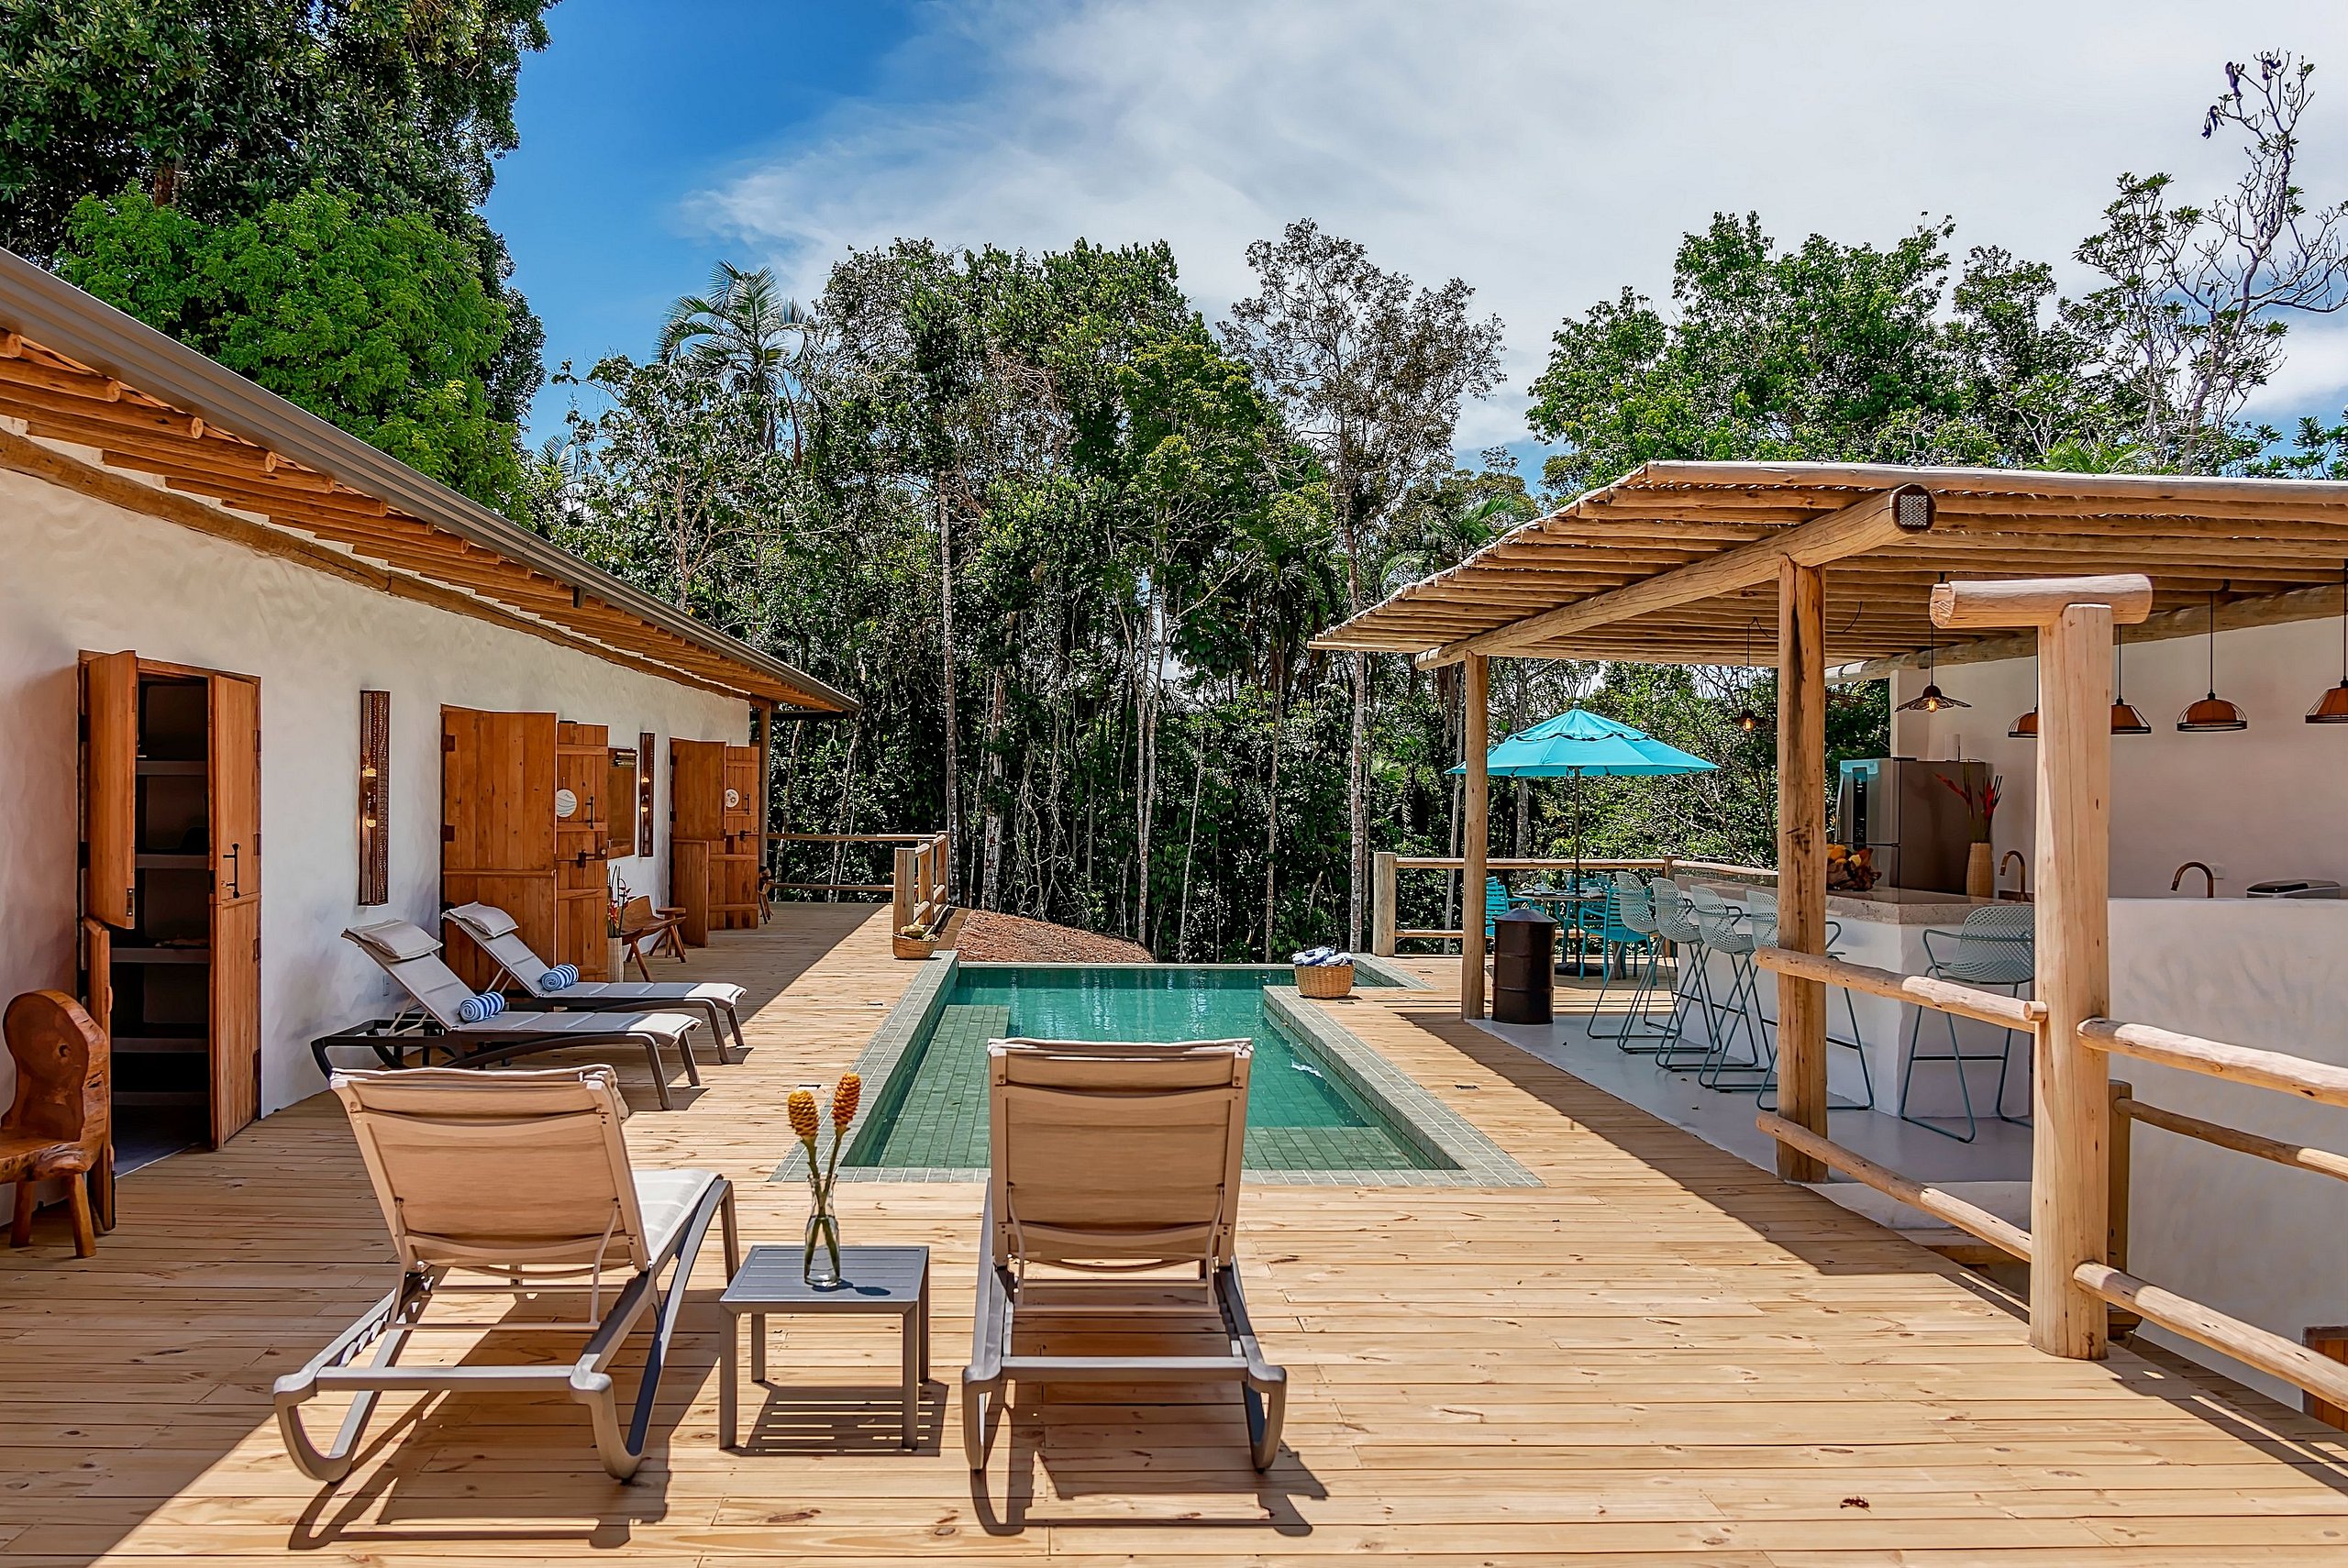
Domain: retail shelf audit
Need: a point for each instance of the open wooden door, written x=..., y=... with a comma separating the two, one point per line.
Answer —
x=497, y=828
x=110, y=785
x=735, y=868
x=696, y=834
x=235, y=905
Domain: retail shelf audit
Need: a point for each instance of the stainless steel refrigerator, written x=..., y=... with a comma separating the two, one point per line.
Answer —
x=1909, y=812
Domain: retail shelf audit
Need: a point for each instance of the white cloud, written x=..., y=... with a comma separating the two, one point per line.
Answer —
x=1548, y=153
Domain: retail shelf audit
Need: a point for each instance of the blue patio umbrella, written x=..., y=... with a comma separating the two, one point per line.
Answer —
x=1578, y=744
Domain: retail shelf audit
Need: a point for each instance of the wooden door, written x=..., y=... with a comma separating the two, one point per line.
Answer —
x=697, y=789
x=110, y=785
x=97, y=974
x=734, y=871
x=235, y=771
x=583, y=848
x=497, y=828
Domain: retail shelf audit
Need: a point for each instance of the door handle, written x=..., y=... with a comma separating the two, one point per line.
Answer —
x=234, y=876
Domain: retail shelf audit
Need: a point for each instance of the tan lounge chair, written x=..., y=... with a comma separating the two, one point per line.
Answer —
x=499, y=937
x=1109, y=1160
x=411, y=955
x=522, y=1181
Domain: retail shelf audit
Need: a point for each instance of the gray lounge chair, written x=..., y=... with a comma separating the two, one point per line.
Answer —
x=519, y=1182
x=1114, y=1160
x=412, y=957
x=499, y=937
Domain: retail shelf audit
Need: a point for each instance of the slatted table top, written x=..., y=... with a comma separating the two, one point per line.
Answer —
x=872, y=1279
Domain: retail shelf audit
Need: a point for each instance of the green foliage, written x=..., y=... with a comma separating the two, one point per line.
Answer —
x=380, y=325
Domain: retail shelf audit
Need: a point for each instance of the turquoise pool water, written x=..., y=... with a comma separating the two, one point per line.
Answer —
x=1301, y=1115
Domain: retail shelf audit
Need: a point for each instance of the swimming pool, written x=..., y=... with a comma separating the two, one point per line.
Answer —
x=1310, y=1108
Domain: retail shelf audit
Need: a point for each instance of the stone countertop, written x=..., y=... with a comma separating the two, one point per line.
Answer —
x=1885, y=906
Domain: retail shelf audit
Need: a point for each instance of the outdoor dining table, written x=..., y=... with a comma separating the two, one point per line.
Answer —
x=1571, y=910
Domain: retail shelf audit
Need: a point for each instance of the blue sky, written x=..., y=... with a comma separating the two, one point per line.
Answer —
x=1549, y=153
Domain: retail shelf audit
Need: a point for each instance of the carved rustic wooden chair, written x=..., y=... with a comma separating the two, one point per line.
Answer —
x=61, y=1125
x=642, y=927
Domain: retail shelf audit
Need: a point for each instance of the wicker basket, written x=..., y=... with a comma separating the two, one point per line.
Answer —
x=913, y=947
x=1324, y=980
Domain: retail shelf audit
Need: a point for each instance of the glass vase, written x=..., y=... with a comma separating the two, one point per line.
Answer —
x=821, y=1264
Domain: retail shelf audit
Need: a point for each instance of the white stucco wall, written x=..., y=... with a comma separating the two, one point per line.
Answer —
x=2256, y=804
x=2246, y=1236
x=81, y=574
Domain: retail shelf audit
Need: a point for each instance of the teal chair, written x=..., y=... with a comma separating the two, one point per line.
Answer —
x=1496, y=903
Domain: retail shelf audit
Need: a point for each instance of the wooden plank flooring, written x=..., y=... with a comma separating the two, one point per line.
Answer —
x=1663, y=1353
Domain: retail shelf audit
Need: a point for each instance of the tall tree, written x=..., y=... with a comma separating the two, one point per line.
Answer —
x=2199, y=298
x=755, y=338
x=1373, y=372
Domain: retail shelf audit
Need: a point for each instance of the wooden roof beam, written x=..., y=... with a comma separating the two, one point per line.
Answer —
x=1877, y=522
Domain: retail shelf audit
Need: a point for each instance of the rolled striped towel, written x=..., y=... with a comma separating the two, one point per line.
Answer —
x=481, y=1006
x=562, y=977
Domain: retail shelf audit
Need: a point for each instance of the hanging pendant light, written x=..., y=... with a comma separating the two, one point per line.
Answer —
x=1931, y=699
x=2125, y=719
x=1746, y=719
x=2331, y=708
x=2026, y=727
x=2213, y=712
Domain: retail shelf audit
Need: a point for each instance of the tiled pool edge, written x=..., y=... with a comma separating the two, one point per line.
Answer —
x=916, y=1008
x=1479, y=1161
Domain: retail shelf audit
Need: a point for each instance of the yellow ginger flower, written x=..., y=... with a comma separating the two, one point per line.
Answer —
x=802, y=1108
x=844, y=1101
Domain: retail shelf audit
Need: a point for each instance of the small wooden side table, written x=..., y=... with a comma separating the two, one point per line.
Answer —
x=873, y=1279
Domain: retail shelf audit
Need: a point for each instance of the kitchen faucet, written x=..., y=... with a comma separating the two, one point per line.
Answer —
x=2210, y=878
x=2022, y=889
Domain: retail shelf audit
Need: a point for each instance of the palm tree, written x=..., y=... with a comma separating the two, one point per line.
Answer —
x=739, y=329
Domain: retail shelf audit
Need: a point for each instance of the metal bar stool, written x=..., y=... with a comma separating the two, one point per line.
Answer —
x=1690, y=984
x=1629, y=922
x=1997, y=947
x=1762, y=908
x=1726, y=932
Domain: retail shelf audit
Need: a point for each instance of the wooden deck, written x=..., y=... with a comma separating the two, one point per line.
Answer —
x=1662, y=1353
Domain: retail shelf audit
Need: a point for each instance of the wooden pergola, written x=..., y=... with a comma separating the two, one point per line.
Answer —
x=1865, y=565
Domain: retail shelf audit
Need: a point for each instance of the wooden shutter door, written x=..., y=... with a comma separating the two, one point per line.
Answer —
x=110, y=785
x=497, y=831
x=234, y=768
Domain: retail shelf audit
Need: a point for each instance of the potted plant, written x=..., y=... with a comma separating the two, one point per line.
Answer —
x=1980, y=811
x=615, y=899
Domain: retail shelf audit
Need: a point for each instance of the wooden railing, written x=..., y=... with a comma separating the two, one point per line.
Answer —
x=920, y=887
x=918, y=891
x=1386, y=867
x=2100, y=1180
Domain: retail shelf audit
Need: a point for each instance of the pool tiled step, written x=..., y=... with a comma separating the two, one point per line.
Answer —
x=943, y=1121
x=1326, y=1149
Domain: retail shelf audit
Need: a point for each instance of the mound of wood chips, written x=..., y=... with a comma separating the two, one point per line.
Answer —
x=985, y=936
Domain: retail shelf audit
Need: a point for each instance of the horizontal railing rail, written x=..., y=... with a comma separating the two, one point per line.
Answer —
x=2110, y=1282
x=926, y=883
x=1387, y=932
x=1942, y=995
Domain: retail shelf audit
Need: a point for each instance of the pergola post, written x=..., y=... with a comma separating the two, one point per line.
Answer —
x=1475, y=836
x=2070, y=1095
x=1801, y=856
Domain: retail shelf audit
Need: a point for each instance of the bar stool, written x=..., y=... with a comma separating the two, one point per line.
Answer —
x=1995, y=947
x=1690, y=986
x=1762, y=908
x=1629, y=922
x=1726, y=932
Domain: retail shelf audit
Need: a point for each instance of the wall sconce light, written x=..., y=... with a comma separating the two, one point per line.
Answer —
x=645, y=743
x=374, y=781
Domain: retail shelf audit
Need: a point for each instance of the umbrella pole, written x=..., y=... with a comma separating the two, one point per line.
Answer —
x=1581, y=939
